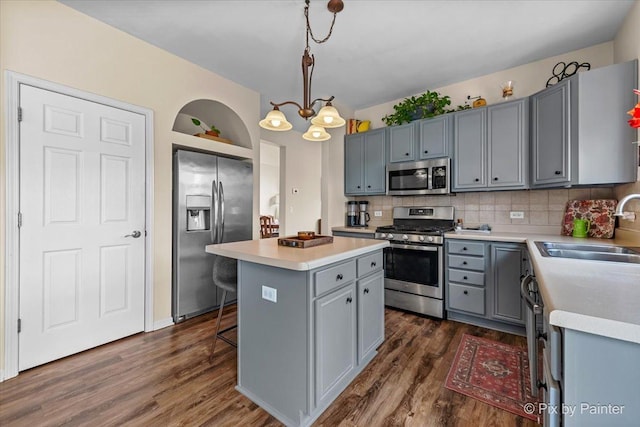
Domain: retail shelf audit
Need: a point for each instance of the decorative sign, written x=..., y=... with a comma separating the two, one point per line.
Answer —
x=561, y=71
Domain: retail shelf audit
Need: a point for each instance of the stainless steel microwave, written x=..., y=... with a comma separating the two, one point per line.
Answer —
x=424, y=177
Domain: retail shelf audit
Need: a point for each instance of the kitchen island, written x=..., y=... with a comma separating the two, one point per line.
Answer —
x=309, y=319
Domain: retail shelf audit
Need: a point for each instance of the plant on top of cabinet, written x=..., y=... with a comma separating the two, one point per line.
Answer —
x=429, y=104
x=214, y=131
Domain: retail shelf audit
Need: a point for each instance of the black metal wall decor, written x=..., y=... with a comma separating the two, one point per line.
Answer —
x=561, y=71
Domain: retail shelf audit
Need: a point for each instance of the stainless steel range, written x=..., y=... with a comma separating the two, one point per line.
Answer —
x=414, y=262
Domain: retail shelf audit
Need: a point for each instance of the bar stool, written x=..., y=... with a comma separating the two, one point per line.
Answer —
x=227, y=284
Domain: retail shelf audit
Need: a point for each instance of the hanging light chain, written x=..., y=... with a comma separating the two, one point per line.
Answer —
x=310, y=32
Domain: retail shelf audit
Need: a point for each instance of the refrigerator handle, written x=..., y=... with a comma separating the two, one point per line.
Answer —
x=221, y=201
x=213, y=216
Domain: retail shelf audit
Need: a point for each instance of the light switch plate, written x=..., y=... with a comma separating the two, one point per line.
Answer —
x=516, y=215
x=270, y=294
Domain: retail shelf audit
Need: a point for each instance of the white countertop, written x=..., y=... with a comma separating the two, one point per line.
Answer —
x=268, y=252
x=597, y=297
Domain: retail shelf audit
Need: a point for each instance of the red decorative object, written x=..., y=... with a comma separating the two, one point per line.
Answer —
x=634, y=122
x=599, y=212
x=493, y=373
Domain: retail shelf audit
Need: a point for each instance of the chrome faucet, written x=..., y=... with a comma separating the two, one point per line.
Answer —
x=626, y=215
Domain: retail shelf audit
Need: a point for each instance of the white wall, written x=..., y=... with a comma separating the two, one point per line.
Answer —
x=529, y=79
x=269, y=179
x=300, y=162
x=53, y=42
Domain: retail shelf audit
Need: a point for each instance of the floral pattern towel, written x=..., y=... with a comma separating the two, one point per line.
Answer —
x=599, y=212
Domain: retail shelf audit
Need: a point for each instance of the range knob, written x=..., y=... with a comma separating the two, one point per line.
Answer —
x=389, y=236
x=421, y=238
x=405, y=237
x=383, y=235
x=430, y=238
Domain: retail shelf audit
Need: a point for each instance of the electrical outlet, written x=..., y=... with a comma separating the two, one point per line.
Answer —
x=516, y=215
x=270, y=294
x=377, y=213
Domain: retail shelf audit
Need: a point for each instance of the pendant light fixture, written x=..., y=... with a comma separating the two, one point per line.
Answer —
x=328, y=116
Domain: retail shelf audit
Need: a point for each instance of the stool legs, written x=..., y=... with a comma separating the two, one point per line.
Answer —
x=218, y=331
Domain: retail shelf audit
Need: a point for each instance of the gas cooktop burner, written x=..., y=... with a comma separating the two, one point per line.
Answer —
x=421, y=225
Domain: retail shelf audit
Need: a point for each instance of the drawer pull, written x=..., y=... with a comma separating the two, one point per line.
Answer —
x=366, y=290
x=464, y=262
x=477, y=180
x=465, y=277
x=464, y=248
x=406, y=154
x=558, y=172
x=339, y=277
x=465, y=292
x=349, y=300
x=426, y=151
x=373, y=264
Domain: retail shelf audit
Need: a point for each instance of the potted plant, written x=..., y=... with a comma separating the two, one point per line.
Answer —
x=429, y=104
x=214, y=131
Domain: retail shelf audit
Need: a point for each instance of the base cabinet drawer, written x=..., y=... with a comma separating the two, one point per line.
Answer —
x=466, y=277
x=334, y=277
x=370, y=263
x=466, y=262
x=466, y=298
x=466, y=248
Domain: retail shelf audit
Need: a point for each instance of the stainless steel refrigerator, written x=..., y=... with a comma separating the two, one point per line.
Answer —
x=212, y=203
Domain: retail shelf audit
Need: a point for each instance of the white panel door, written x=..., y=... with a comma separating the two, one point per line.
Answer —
x=82, y=195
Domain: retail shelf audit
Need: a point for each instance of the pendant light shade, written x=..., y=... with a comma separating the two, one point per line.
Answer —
x=316, y=133
x=275, y=120
x=328, y=117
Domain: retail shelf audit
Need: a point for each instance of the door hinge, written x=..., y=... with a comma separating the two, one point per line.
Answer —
x=19, y=325
x=19, y=219
x=19, y=114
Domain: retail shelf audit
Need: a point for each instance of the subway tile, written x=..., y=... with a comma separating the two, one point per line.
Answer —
x=524, y=220
x=472, y=198
x=557, y=197
x=539, y=217
x=602, y=193
x=539, y=197
x=503, y=198
x=421, y=201
x=486, y=217
x=500, y=207
x=579, y=194
x=471, y=207
x=502, y=217
x=539, y=206
x=519, y=207
x=487, y=199
x=487, y=208
x=471, y=217
x=458, y=213
x=397, y=201
x=408, y=201
x=520, y=198
x=556, y=217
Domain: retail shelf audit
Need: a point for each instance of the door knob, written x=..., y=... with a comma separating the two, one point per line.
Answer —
x=135, y=234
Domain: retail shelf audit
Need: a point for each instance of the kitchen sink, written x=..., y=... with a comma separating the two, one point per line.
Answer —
x=589, y=252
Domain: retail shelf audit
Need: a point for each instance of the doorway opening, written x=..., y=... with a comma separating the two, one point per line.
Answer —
x=271, y=200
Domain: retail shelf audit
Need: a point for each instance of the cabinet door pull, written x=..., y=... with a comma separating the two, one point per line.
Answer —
x=339, y=277
x=464, y=262
x=558, y=172
x=373, y=264
x=477, y=180
x=358, y=186
x=465, y=292
x=495, y=178
x=464, y=248
x=406, y=154
x=426, y=151
x=464, y=278
x=349, y=300
x=368, y=186
x=366, y=290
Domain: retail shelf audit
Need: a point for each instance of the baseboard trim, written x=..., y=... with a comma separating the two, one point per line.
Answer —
x=163, y=323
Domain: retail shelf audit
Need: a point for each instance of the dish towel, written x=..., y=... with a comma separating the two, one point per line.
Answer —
x=599, y=212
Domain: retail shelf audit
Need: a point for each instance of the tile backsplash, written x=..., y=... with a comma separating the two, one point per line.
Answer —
x=543, y=209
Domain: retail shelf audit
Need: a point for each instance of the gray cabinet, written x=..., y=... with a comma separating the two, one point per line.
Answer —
x=483, y=283
x=470, y=150
x=491, y=147
x=402, y=143
x=508, y=264
x=335, y=339
x=578, y=136
x=301, y=346
x=434, y=137
x=364, y=163
x=370, y=314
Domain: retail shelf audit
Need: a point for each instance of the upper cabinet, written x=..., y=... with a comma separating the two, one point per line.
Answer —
x=579, y=132
x=364, y=163
x=420, y=140
x=490, y=147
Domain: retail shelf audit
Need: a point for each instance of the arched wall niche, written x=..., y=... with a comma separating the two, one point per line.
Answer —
x=211, y=112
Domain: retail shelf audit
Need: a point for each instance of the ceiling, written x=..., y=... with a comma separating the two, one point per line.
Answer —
x=379, y=50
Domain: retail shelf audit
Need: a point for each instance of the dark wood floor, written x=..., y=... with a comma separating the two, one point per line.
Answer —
x=165, y=378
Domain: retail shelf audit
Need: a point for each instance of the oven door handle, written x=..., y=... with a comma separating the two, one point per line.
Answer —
x=415, y=248
x=524, y=291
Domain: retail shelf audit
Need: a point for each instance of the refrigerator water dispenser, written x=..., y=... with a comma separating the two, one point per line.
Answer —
x=198, y=213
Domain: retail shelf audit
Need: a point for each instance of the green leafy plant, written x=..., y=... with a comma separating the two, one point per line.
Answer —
x=199, y=123
x=429, y=104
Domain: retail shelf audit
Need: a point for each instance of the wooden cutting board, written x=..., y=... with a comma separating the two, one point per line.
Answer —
x=599, y=212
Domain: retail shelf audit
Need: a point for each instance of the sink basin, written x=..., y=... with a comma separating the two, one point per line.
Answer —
x=589, y=252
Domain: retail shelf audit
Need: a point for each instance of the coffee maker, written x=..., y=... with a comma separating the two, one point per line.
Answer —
x=363, y=217
x=353, y=216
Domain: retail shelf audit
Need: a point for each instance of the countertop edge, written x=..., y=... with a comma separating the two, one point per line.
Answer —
x=595, y=325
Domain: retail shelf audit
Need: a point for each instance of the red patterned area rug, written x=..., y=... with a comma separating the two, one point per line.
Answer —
x=492, y=372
